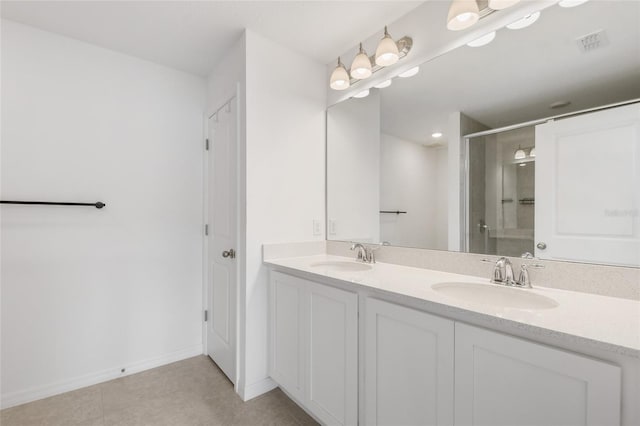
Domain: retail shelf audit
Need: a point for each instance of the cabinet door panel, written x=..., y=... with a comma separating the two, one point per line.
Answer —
x=408, y=366
x=286, y=339
x=332, y=376
x=502, y=380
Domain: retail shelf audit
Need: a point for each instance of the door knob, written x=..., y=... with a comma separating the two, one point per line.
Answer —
x=541, y=245
x=229, y=253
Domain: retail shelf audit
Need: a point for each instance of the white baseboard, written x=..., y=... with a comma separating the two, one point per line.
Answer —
x=12, y=399
x=256, y=389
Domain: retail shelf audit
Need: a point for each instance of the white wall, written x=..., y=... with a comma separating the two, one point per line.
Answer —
x=442, y=198
x=87, y=292
x=353, y=161
x=285, y=101
x=408, y=182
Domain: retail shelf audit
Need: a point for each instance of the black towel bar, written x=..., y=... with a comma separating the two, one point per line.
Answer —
x=97, y=205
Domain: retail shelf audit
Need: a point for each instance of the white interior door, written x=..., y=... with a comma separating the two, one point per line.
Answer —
x=223, y=237
x=587, y=187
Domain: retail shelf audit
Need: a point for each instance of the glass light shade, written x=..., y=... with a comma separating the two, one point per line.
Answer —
x=524, y=22
x=532, y=153
x=571, y=3
x=410, y=72
x=436, y=135
x=520, y=154
x=462, y=14
x=501, y=4
x=339, y=78
x=361, y=66
x=387, y=51
x=383, y=84
x=484, y=40
x=362, y=94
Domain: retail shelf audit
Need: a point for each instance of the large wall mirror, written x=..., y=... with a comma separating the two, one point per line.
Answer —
x=461, y=157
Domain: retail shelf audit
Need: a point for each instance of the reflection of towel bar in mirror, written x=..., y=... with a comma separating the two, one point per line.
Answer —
x=97, y=205
x=527, y=201
x=392, y=211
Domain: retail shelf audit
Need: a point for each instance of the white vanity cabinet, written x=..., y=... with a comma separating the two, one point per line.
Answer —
x=502, y=380
x=417, y=368
x=409, y=358
x=314, y=346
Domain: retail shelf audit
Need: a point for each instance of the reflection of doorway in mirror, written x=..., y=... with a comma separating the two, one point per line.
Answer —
x=502, y=193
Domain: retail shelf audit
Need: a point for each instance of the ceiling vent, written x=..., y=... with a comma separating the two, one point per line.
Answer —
x=593, y=41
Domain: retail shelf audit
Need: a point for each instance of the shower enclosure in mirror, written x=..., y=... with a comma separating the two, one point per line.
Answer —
x=400, y=167
x=501, y=188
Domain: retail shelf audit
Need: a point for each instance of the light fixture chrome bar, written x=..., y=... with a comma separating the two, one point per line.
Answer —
x=544, y=120
x=404, y=47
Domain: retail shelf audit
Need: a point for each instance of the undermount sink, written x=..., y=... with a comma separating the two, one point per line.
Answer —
x=338, y=265
x=495, y=295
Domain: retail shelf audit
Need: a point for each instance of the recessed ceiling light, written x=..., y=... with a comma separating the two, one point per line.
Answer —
x=524, y=22
x=436, y=135
x=571, y=3
x=410, y=72
x=484, y=40
x=384, y=84
x=362, y=94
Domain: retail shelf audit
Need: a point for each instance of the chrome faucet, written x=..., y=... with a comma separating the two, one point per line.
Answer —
x=361, y=252
x=503, y=274
x=364, y=254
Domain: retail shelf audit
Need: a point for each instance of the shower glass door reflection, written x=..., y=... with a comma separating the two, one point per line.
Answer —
x=501, y=193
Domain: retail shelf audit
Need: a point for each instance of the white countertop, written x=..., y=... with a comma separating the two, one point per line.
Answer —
x=609, y=323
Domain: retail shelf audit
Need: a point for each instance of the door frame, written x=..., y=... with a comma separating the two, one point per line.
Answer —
x=240, y=234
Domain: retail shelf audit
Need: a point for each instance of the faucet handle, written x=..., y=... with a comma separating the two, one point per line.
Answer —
x=523, y=278
x=498, y=273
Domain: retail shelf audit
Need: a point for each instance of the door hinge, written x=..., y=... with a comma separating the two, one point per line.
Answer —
x=206, y=144
x=206, y=316
x=206, y=229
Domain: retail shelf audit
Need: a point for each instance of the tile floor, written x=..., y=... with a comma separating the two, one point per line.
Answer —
x=185, y=393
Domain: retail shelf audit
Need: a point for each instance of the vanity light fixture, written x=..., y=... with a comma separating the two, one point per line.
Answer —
x=524, y=22
x=482, y=41
x=520, y=154
x=462, y=14
x=410, y=72
x=501, y=4
x=571, y=3
x=362, y=94
x=361, y=66
x=436, y=135
x=339, y=77
x=532, y=153
x=383, y=84
x=387, y=52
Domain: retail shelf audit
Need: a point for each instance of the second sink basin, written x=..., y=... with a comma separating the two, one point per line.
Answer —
x=495, y=295
x=337, y=265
